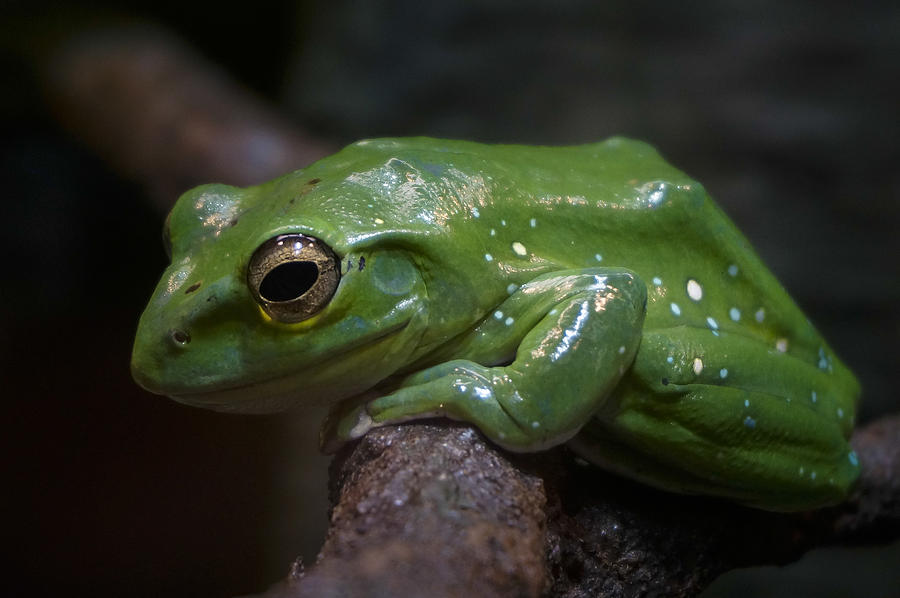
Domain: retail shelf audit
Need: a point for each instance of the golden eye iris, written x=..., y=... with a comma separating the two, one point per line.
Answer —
x=293, y=277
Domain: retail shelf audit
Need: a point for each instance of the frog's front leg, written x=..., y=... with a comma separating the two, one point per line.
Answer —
x=573, y=334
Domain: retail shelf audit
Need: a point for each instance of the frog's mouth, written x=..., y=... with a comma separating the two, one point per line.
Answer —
x=257, y=398
x=282, y=393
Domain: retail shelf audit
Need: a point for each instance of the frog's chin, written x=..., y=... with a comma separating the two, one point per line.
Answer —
x=268, y=396
x=239, y=400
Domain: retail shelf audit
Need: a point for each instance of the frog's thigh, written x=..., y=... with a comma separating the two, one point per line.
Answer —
x=574, y=333
x=727, y=416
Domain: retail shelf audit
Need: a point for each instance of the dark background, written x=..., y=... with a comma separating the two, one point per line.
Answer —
x=787, y=112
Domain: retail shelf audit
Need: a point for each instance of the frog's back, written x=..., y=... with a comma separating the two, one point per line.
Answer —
x=617, y=203
x=732, y=386
x=732, y=390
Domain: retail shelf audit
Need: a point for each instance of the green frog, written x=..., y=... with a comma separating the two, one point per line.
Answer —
x=592, y=295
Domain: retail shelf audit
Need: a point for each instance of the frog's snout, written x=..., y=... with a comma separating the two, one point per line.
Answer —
x=153, y=354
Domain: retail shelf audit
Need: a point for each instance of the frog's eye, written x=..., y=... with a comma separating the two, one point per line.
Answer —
x=293, y=276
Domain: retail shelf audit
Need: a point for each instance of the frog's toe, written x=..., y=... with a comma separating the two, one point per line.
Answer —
x=416, y=402
x=448, y=368
x=340, y=428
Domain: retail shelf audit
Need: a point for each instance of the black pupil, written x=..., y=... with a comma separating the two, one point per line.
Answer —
x=288, y=281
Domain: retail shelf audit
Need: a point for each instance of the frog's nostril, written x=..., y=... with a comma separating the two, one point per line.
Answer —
x=179, y=337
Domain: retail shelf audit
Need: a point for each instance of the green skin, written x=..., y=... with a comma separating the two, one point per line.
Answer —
x=593, y=295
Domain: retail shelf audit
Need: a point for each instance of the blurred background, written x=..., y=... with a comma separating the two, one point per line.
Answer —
x=786, y=111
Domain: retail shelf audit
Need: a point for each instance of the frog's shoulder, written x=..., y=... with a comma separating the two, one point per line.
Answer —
x=620, y=144
x=628, y=158
x=629, y=161
x=617, y=172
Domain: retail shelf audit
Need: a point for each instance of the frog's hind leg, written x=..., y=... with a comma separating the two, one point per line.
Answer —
x=729, y=416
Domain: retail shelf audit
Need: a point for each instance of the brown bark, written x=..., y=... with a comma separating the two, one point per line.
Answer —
x=434, y=509
x=161, y=115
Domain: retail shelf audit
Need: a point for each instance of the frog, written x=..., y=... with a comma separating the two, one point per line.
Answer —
x=589, y=295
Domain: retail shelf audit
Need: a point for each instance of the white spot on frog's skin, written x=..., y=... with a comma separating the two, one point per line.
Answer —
x=840, y=412
x=854, y=460
x=519, y=249
x=782, y=345
x=813, y=396
x=475, y=212
x=746, y=402
x=498, y=314
x=488, y=257
x=723, y=373
x=657, y=280
x=503, y=223
x=512, y=288
x=670, y=359
x=698, y=365
x=482, y=392
x=735, y=314
x=694, y=290
x=732, y=270
x=622, y=350
x=712, y=323
x=598, y=257
x=535, y=424
x=554, y=311
x=760, y=315
x=812, y=475
x=508, y=321
x=532, y=223
x=749, y=422
x=379, y=221
x=675, y=309
x=493, y=233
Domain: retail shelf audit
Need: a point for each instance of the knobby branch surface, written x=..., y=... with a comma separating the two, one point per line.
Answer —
x=434, y=509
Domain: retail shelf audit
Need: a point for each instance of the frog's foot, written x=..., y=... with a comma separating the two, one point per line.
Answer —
x=574, y=333
x=465, y=391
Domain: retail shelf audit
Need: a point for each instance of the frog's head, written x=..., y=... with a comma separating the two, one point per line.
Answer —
x=305, y=289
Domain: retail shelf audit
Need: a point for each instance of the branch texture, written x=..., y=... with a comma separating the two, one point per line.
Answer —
x=434, y=509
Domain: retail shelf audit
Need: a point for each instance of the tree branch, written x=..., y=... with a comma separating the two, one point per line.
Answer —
x=160, y=114
x=435, y=509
